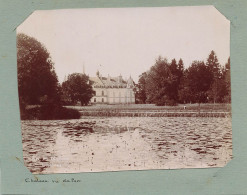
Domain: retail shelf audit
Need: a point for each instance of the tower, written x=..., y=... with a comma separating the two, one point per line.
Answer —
x=130, y=83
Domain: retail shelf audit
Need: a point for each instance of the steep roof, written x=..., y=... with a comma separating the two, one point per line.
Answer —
x=100, y=81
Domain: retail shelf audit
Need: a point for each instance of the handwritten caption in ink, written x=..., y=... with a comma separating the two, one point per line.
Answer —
x=37, y=180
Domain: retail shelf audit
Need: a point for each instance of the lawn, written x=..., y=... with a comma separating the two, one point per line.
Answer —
x=152, y=107
x=137, y=110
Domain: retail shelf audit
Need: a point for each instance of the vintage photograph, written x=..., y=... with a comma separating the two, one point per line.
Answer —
x=114, y=89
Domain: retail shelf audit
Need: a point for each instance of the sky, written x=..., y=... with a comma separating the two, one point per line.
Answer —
x=127, y=41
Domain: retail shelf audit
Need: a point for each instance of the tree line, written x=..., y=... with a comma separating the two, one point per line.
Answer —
x=169, y=83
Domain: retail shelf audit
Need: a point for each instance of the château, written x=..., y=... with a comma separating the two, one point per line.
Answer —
x=112, y=90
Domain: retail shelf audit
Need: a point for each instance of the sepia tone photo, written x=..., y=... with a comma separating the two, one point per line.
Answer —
x=113, y=89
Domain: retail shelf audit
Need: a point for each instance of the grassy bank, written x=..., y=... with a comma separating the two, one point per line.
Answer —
x=146, y=107
x=154, y=114
x=149, y=110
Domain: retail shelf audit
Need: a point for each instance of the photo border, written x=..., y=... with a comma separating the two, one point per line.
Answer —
x=228, y=180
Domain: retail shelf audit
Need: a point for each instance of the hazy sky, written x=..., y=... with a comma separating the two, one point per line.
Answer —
x=127, y=41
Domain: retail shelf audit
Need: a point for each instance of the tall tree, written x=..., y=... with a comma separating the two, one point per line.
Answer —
x=176, y=74
x=180, y=69
x=78, y=88
x=174, y=67
x=215, y=76
x=213, y=64
x=141, y=89
x=227, y=80
x=185, y=94
x=160, y=83
x=37, y=80
x=199, y=81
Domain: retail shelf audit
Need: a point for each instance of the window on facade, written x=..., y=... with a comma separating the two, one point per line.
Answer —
x=102, y=93
x=94, y=99
x=102, y=99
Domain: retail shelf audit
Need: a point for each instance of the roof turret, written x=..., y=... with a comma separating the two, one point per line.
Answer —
x=130, y=82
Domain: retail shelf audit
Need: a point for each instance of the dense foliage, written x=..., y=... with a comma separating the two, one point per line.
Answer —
x=77, y=88
x=169, y=83
x=37, y=82
x=50, y=112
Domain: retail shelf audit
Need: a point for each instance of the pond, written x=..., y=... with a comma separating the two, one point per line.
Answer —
x=93, y=144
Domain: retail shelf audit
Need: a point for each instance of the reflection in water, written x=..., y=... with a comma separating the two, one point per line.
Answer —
x=78, y=129
x=127, y=143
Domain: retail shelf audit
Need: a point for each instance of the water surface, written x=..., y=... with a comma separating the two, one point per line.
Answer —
x=126, y=143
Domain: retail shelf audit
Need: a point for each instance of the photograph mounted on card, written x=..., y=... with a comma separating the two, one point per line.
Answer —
x=113, y=89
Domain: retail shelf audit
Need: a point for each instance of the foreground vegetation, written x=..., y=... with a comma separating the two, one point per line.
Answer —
x=49, y=112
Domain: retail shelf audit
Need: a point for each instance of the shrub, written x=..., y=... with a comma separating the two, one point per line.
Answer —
x=165, y=101
x=49, y=112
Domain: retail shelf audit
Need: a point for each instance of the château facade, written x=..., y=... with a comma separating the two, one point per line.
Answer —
x=112, y=90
